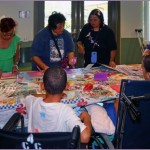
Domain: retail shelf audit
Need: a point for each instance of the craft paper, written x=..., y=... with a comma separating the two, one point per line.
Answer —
x=116, y=87
x=89, y=66
x=35, y=73
x=8, y=75
x=100, y=76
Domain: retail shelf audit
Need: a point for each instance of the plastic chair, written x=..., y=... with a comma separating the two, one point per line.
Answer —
x=52, y=140
x=133, y=120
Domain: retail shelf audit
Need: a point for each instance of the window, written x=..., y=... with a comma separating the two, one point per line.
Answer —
x=63, y=7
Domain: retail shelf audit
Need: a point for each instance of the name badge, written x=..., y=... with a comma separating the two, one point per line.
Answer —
x=93, y=57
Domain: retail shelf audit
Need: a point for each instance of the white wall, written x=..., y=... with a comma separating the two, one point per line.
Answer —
x=131, y=18
x=25, y=26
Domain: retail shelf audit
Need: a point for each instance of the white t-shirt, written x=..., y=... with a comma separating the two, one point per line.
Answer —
x=50, y=117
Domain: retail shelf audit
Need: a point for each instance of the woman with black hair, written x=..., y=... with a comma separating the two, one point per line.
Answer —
x=97, y=41
x=52, y=44
x=9, y=46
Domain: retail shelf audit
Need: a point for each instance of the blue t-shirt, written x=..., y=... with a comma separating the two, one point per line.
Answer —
x=44, y=47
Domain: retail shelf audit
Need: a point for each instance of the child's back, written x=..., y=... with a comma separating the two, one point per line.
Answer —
x=48, y=114
x=50, y=117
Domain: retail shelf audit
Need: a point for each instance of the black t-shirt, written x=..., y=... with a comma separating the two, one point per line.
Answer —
x=102, y=42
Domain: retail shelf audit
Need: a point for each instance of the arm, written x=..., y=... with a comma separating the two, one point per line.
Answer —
x=86, y=133
x=39, y=62
x=112, y=58
x=16, y=60
x=81, y=49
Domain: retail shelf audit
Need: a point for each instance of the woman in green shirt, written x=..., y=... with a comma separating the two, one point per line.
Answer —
x=9, y=46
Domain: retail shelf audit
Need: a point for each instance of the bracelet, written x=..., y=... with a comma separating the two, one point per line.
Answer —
x=15, y=66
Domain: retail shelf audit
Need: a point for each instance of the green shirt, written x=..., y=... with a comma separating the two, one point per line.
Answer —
x=7, y=55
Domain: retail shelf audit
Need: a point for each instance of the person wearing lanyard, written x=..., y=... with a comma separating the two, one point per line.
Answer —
x=97, y=42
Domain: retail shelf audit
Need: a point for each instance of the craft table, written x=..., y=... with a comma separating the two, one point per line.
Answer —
x=105, y=81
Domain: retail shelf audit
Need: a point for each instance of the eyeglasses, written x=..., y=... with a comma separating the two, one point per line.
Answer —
x=7, y=34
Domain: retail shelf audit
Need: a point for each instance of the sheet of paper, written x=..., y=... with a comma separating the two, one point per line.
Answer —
x=89, y=66
x=8, y=75
x=35, y=73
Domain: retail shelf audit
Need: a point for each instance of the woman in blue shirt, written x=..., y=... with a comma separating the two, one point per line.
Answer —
x=44, y=50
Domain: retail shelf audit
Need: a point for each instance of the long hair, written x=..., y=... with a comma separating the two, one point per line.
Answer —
x=99, y=14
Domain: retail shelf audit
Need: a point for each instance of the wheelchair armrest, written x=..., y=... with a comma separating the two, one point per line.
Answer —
x=13, y=122
x=75, y=139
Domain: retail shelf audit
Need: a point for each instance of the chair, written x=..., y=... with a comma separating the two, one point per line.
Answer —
x=133, y=120
x=13, y=122
x=100, y=141
x=52, y=140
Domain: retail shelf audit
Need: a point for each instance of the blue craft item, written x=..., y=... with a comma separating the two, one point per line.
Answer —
x=100, y=76
x=93, y=57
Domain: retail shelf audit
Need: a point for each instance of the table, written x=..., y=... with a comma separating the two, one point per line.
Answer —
x=105, y=81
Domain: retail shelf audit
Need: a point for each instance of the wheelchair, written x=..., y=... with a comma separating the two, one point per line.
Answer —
x=132, y=127
x=133, y=118
x=11, y=139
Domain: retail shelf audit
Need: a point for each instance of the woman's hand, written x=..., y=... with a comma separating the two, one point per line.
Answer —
x=15, y=69
x=81, y=48
x=112, y=64
x=72, y=61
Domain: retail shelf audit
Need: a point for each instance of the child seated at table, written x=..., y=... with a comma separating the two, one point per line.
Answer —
x=48, y=114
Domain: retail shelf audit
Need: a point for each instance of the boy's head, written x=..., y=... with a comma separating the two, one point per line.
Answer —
x=55, y=80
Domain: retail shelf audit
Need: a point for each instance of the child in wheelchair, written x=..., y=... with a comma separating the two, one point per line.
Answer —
x=48, y=114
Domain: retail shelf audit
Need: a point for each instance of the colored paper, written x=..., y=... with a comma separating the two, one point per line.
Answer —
x=35, y=73
x=100, y=76
x=8, y=75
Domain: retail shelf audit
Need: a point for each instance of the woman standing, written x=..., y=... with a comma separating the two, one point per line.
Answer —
x=52, y=44
x=9, y=46
x=97, y=41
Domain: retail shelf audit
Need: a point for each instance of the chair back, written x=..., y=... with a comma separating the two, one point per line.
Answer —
x=52, y=140
x=133, y=119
